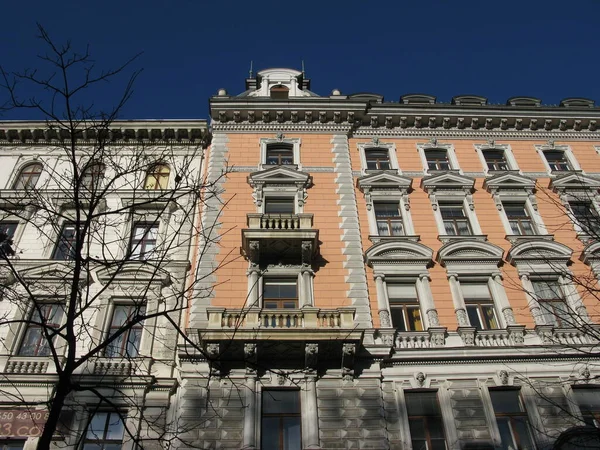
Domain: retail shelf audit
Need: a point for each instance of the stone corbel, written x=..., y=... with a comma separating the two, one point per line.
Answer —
x=460, y=123
x=337, y=117
x=322, y=116
x=254, y=252
x=592, y=125
x=577, y=125
x=418, y=122
x=403, y=122
x=489, y=123
x=307, y=253
x=432, y=122
x=350, y=117
x=237, y=116
x=469, y=198
x=374, y=122
x=311, y=355
x=294, y=116
x=251, y=117
x=266, y=116
x=250, y=357
x=257, y=195
x=434, y=202
x=475, y=123
x=516, y=333
x=308, y=116
x=446, y=122
x=213, y=351
x=533, y=124
x=406, y=200
x=532, y=200
x=388, y=122
x=279, y=116
x=518, y=124
x=348, y=354
x=302, y=196
x=467, y=334
x=562, y=125
x=497, y=200
x=437, y=336
x=548, y=124
x=222, y=116
x=504, y=124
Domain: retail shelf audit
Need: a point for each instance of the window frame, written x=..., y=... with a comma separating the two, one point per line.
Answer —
x=557, y=320
x=21, y=171
x=283, y=281
x=61, y=241
x=509, y=157
x=527, y=209
x=461, y=206
x=265, y=142
x=157, y=175
x=594, y=414
x=265, y=391
x=375, y=144
x=125, y=337
x=568, y=156
x=103, y=441
x=134, y=247
x=404, y=305
x=592, y=207
x=279, y=146
x=92, y=176
x=269, y=198
x=27, y=325
x=439, y=416
x=513, y=415
x=422, y=148
x=389, y=220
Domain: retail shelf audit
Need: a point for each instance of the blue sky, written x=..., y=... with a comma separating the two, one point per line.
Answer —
x=546, y=49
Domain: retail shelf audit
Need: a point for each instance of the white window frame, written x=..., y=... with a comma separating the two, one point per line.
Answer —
x=305, y=293
x=468, y=209
x=277, y=193
x=534, y=215
x=19, y=168
x=449, y=148
x=144, y=349
x=494, y=290
x=568, y=153
x=264, y=142
x=511, y=162
x=391, y=148
x=419, y=290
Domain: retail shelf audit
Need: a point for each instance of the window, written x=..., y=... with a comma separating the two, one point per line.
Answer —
x=104, y=432
x=389, y=219
x=7, y=233
x=557, y=160
x=518, y=219
x=588, y=401
x=280, y=92
x=555, y=310
x=378, y=158
x=404, y=307
x=280, y=293
x=455, y=221
x=28, y=177
x=128, y=342
x=480, y=306
x=44, y=319
x=511, y=417
x=586, y=217
x=280, y=154
x=92, y=176
x=157, y=177
x=65, y=248
x=495, y=159
x=143, y=240
x=276, y=205
x=281, y=420
x=425, y=421
x=12, y=445
x=437, y=159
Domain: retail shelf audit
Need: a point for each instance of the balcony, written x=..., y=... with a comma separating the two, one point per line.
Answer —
x=279, y=237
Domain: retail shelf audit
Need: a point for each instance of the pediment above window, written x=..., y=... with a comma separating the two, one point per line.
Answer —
x=591, y=254
x=509, y=181
x=450, y=181
x=280, y=175
x=574, y=181
x=384, y=181
x=399, y=252
x=468, y=253
x=469, y=100
x=539, y=251
x=417, y=99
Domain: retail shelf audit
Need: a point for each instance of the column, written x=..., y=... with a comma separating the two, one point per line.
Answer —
x=499, y=296
x=305, y=283
x=382, y=302
x=310, y=429
x=534, y=306
x=249, y=439
x=253, y=281
x=426, y=300
x=458, y=300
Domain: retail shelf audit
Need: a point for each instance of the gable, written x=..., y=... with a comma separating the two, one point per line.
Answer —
x=574, y=181
x=448, y=180
x=280, y=175
x=384, y=180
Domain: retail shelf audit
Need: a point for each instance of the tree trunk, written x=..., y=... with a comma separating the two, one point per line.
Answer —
x=63, y=389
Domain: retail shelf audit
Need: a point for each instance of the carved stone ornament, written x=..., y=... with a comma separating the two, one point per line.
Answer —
x=253, y=248
x=550, y=143
x=509, y=316
x=347, y=374
x=384, y=318
x=437, y=338
x=491, y=143
x=387, y=339
x=307, y=252
x=585, y=373
x=250, y=350
x=311, y=351
x=280, y=136
x=462, y=318
x=433, y=141
x=432, y=315
x=375, y=141
x=280, y=379
x=349, y=349
x=468, y=338
x=516, y=336
x=420, y=377
x=212, y=349
x=503, y=375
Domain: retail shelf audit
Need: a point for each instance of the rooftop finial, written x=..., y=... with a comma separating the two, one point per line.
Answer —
x=302, y=67
x=250, y=73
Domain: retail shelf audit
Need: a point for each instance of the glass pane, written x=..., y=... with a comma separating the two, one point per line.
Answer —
x=419, y=444
x=96, y=426
x=270, y=433
x=115, y=428
x=474, y=319
x=398, y=318
x=417, y=428
x=587, y=399
x=521, y=429
x=279, y=206
x=489, y=315
x=527, y=227
x=397, y=228
x=506, y=436
x=280, y=401
x=436, y=427
x=285, y=289
x=133, y=342
x=414, y=319
x=463, y=228
x=382, y=228
x=506, y=401
x=422, y=404
x=291, y=433
x=387, y=210
x=449, y=228
x=547, y=290
x=438, y=444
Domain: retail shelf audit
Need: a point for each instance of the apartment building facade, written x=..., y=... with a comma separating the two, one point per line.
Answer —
x=394, y=274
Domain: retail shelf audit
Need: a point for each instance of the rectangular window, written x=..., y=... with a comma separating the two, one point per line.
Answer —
x=557, y=160
x=378, y=159
x=9, y=228
x=480, y=306
x=455, y=221
x=279, y=205
x=12, y=445
x=104, y=432
x=586, y=217
x=281, y=420
x=512, y=420
x=425, y=421
x=7, y=233
x=40, y=329
x=495, y=159
x=65, y=248
x=437, y=159
x=550, y=297
x=143, y=240
x=588, y=401
x=280, y=154
x=404, y=306
x=280, y=293
x=389, y=219
x=127, y=344
x=518, y=218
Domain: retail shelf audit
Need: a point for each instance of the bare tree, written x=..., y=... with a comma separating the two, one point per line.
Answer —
x=99, y=224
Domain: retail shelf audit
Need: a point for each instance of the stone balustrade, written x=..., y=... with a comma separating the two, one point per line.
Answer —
x=257, y=221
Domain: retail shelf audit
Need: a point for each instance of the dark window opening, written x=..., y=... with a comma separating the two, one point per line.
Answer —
x=143, y=240
x=586, y=217
x=280, y=293
x=512, y=420
x=378, y=159
x=28, y=177
x=281, y=420
x=588, y=401
x=425, y=421
x=104, y=432
x=282, y=205
x=495, y=159
x=127, y=344
x=437, y=159
x=553, y=306
x=65, y=248
x=280, y=154
x=557, y=160
x=280, y=92
x=41, y=330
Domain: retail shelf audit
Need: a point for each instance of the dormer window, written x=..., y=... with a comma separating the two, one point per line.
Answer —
x=437, y=159
x=280, y=154
x=495, y=160
x=280, y=92
x=378, y=159
x=557, y=160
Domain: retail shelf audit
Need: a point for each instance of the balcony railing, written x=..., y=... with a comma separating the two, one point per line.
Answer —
x=232, y=319
x=274, y=222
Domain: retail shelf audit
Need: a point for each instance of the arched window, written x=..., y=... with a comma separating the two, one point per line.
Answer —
x=92, y=176
x=280, y=92
x=28, y=177
x=157, y=177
